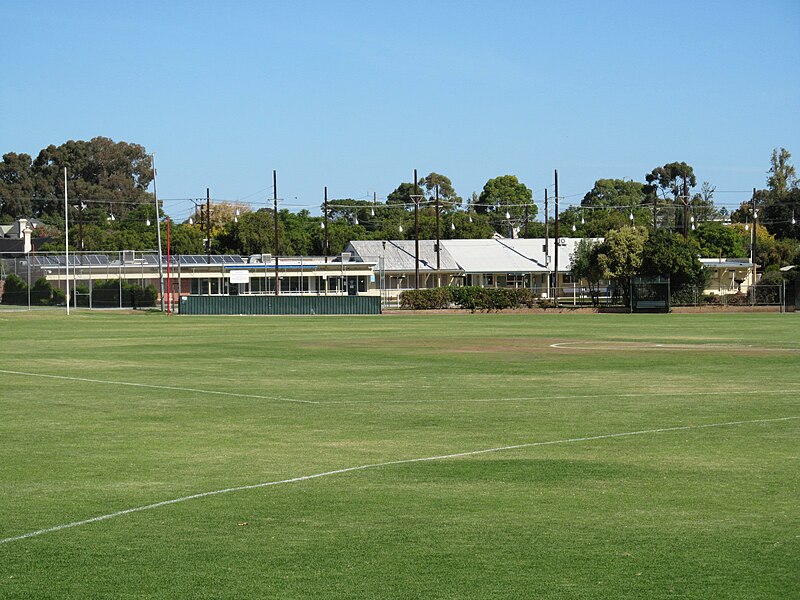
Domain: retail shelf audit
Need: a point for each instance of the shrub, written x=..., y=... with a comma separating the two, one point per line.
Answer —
x=41, y=292
x=468, y=297
x=59, y=296
x=107, y=294
x=15, y=290
x=425, y=299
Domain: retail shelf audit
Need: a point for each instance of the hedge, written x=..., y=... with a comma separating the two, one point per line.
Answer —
x=15, y=291
x=105, y=294
x=469, y=297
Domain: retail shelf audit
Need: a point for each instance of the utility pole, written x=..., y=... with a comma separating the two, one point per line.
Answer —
x=158, y=235
x=685, y=208
x=526, y=220
x=275, y=218
x=655, y=208
x=416, y=232
x=66, y=240
x=325, y=227
x=208, y=236
x=81, y=206
x=547, y=241
x=438, y=263
x=555, y=259
x=208, y=225
x=754, y=237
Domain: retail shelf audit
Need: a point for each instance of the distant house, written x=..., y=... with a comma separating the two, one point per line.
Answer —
x=16, y=239
x=494, y=262
x=728, y=275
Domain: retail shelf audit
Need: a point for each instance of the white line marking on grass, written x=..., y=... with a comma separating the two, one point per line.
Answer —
x=612, y=345
x=158, y=387
x=377, y=465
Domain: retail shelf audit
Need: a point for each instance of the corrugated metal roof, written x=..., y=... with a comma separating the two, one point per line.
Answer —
x=491, y=256
x=727, y=263
x=495, y=255
x=398, y=255
x=505, y=255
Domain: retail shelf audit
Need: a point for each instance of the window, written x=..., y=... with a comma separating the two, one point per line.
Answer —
x=515, y=280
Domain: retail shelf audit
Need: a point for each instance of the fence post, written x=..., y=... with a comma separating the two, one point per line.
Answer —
x=782, y=291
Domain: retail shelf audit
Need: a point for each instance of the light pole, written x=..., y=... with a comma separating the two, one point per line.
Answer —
x=416, y=197
x=158, y=235
x=66, y=238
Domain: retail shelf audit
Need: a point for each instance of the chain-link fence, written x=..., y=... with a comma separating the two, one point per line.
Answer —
x=757, y=295
x=93, y=280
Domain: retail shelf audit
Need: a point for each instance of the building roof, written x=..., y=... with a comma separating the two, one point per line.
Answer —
x=494, y=255
x=399, y=255
x=727, y=263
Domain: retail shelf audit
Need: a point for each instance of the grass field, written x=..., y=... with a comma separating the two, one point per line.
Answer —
x=690, y=511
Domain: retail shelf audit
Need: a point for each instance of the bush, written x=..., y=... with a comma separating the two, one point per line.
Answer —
x=59, y=296
x=688, y=296
x=426, y=299
x=41, y=292
x=15, y=290
x=106, y=294
x=468, y=297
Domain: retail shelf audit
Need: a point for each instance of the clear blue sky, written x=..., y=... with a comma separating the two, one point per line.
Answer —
x=355, y=95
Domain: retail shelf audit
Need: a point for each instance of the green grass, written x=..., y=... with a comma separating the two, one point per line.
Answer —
x=697, y=513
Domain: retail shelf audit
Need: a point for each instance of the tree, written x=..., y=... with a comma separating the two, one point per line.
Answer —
x=667, y=254
x=222, y=213
x=114, y=174
x=673, y=180
x=253, y=234
x=434, y=182
x=583, y=262
x=615, y=193
x=702, y=205
x=404, y=195
x=619, y=257
x=716, y=239
x=506, y=195
x=781, y=201
x=185, y=239
x=608, y=205
x=16, y=186
x=782, y=175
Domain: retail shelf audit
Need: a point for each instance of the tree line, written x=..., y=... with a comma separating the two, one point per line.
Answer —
x=111, y=209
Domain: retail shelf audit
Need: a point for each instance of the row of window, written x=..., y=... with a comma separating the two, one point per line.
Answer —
x=259, y=285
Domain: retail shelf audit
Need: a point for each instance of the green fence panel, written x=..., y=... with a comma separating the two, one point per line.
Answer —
x=280, y=305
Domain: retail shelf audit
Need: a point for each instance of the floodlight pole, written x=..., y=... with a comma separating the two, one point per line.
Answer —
x=158, y=234
x=66, y=239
